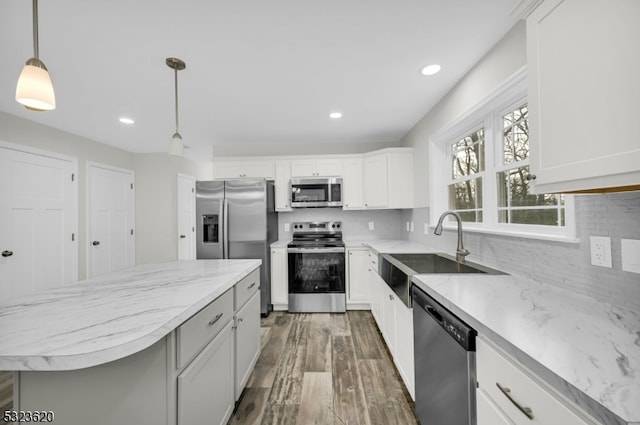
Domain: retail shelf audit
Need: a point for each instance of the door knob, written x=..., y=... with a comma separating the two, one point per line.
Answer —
x=182, y=236
x=95, y=243
x=7, y=253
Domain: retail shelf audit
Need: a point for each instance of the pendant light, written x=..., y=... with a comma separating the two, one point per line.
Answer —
x=176, y=147
x=34, y=89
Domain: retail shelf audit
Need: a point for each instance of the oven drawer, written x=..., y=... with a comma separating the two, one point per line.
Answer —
x=196, y=332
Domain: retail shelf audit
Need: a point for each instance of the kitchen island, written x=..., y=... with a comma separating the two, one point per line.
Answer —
x=142, y=345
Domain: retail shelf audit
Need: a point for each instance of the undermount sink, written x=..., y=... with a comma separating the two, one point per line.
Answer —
x=398, y=269
x=439, y=263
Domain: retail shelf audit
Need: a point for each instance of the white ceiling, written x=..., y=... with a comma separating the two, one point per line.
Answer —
x=257, y=70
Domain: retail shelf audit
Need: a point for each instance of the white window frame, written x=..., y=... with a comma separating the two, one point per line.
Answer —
x=488, y=114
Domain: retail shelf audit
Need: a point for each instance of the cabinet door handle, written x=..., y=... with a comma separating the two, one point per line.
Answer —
x=215, y=319
x=7, y=253
x=507, y=392
x=182, y=236
x=530, y=177
x=252, y=285
x=95, y=243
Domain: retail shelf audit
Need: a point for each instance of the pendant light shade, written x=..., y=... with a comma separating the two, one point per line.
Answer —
x=176, y=147
x=34, y=89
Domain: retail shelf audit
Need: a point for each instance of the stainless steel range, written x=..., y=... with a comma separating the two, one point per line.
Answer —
x=317, y=268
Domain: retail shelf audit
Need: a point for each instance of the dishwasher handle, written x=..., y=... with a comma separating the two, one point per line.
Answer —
x=433, y=313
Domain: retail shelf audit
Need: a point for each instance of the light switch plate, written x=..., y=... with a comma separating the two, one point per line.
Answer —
x=411, y=227
x=426, y=228
x=600, y=251
x=287, y=227
x=630, y=255
x=371, y=225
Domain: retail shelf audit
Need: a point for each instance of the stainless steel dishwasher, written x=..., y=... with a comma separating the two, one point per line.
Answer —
x=445, y=364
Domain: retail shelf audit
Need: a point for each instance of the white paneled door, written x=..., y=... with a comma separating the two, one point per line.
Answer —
x=186, y=217
x=38, y=221
x=110, y=221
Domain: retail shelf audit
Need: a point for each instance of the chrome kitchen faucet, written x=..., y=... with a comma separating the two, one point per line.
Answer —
x=461, y=253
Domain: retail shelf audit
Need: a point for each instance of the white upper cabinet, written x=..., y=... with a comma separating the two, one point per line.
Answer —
x=583, y=60
x=352, y=184
x=240, y=169
x=315, y=167
x=375, y=174
x=283, y=192
x=388, y=178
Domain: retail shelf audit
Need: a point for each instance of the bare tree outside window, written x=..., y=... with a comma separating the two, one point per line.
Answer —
x=465, y=194
x=516, y=203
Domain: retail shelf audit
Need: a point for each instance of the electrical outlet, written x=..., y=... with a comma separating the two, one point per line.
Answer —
x=600, y=251
x=371, y=225
x=630, y=255
x=287, y=227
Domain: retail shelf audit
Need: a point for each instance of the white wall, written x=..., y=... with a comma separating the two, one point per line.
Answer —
x=23, y=132
x=502, y=61
x=566, y=265
x=156, y=203
x=155, y=180
x=282, y=149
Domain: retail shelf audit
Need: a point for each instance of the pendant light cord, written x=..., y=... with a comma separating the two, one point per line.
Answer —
x=35, y=29
x=176, y=85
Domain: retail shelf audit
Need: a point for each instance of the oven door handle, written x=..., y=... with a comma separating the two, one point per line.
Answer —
x=314, y=250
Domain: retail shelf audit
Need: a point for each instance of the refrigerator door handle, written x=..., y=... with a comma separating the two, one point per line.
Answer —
x=225, y=236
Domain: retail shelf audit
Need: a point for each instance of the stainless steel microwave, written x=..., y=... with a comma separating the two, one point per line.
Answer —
x=316, y=192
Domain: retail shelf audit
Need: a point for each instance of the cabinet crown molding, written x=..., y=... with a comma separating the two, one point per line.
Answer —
x=524, y=8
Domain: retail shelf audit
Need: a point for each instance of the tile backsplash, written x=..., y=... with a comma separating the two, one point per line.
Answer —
x=567, y=265
x=355, y=224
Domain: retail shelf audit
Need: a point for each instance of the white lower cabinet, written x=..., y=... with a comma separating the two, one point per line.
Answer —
x=247, y=341
x=358, y=288
x=508, y=393
x=488, y=413
x=206, y=386
x=279, y=278
x=395, y=321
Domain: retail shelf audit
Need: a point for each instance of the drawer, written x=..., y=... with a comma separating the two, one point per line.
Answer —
x=246, y=288
x=198, y=330
x=495, y=369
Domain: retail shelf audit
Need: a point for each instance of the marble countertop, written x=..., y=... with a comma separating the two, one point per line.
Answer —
x=109, y=317
x=586, y=349
x=390, y=246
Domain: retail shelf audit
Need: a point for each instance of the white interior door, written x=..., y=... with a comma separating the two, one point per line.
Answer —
x=186, y=217
x=38, y=221
x=110, y=200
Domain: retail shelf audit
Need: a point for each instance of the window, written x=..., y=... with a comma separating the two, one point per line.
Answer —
x=483, y=162
x=516, y=203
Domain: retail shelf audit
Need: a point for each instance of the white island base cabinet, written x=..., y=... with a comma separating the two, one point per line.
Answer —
x=192, y=376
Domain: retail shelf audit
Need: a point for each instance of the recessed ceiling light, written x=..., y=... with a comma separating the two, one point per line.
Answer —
x=335, y=115
x=125, y=120
x=430, y=69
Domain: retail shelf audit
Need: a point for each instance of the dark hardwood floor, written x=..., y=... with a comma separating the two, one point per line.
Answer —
x=323, y=369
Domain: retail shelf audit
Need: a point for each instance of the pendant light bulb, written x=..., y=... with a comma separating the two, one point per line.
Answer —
x=34, y=89
x=176, y=146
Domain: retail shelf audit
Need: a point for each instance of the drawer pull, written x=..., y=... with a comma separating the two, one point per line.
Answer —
x=215, y=319
x=507, y=392
x=252, y=285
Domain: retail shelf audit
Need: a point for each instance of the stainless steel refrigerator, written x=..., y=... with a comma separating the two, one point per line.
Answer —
x=237, y=219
